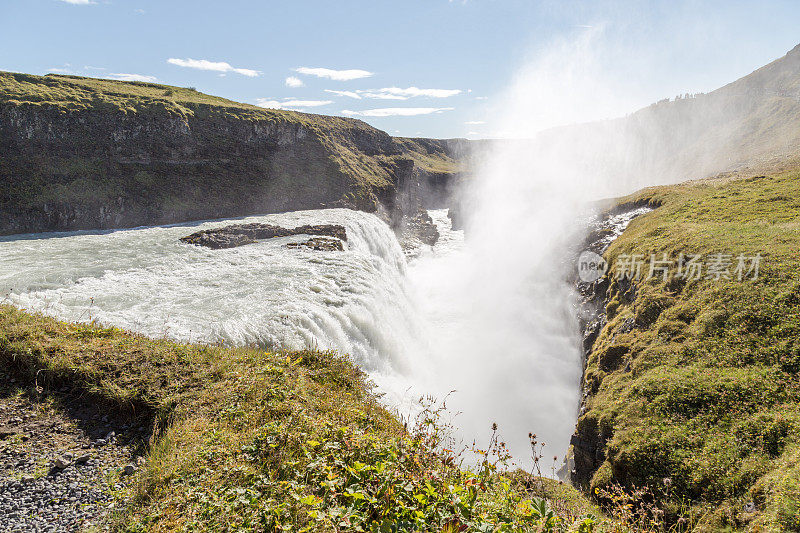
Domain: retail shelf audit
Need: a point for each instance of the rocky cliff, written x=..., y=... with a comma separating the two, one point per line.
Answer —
x=82, y=153
x=691, y=379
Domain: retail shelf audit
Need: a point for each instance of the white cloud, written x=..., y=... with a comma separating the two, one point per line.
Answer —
x=78, y=2
x=131, y=77
x=474, y=122
x=294, y=81
x=58, y=70
x=217, y=66
x=472, y=133
x=397, y=111
x=397, y=93
x=349, y=94
x=481, y=98
x=290, y=104
x=382, y=96
x=337, y=75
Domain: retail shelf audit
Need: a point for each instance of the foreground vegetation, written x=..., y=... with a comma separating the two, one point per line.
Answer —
x=246, y=439
x=693, y=383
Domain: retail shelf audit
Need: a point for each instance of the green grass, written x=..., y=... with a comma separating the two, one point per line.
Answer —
x=704, y=389
x=76, y=92
x=250, y=440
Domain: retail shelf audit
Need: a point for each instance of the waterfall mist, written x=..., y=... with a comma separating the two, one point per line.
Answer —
x=504, y=329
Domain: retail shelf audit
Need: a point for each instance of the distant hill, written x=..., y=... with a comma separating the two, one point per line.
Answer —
x=752, y=123
x=85, y=153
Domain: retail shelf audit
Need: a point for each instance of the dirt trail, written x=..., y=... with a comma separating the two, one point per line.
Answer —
x=64, y=462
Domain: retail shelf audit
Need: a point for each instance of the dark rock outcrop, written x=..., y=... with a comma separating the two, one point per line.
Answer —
x=421, y=226
x=241, y=234
x=588, y=442
x=320, y=244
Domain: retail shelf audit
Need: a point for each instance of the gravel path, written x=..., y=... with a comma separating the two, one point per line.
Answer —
x=64, y=464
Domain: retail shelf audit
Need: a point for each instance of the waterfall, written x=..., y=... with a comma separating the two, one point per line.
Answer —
x=145, y=280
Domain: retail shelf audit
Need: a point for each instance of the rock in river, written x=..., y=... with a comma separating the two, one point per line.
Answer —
x=241, y=234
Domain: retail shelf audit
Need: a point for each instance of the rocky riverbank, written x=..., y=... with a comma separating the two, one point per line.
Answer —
x=64, y=463
x=586, y=455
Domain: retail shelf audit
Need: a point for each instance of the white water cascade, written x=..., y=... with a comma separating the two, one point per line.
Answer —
x=489, y=317
x=146, y=280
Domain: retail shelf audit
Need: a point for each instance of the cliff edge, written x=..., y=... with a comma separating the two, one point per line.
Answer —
x=83, y=153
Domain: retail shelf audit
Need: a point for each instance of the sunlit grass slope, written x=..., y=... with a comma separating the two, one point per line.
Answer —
x=694, y=387
x=248, y=440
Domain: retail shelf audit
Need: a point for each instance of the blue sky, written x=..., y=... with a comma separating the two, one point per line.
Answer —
x=432, y=68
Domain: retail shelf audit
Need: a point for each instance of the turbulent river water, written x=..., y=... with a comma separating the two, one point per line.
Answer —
x=405, y=322
x=145, y=280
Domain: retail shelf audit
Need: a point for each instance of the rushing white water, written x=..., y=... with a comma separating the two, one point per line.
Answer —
x=411, y=327
x=147, y=281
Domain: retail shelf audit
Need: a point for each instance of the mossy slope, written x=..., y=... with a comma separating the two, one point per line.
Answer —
x=696, y=381
x=249, y=440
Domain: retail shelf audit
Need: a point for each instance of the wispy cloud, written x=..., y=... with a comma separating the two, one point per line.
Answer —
x=349, y=94
x=131, y=77
x=396, y=93
x=474, y=122
x=337, y=75
x=89, y=70
x=481, y=98
x=78, y=2
x=216, y=66
x=290, y=104
x=294, y=81
x=397, y=111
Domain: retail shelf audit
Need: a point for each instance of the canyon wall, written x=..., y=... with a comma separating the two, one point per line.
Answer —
x=79, y=153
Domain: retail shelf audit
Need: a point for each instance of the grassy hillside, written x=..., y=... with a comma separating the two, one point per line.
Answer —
x=752, y=121
x=277, y=441
x=693, y=384
x=79, y=153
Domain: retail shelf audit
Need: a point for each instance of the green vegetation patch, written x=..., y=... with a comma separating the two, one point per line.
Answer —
x=702, y=386
x=288, y=441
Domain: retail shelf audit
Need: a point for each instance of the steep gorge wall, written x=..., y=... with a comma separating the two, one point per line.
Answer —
x=95, y=163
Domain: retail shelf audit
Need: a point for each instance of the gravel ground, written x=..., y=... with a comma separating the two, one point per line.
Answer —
x=64, y=463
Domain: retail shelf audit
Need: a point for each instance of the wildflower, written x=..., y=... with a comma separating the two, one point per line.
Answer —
x=667, y=481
